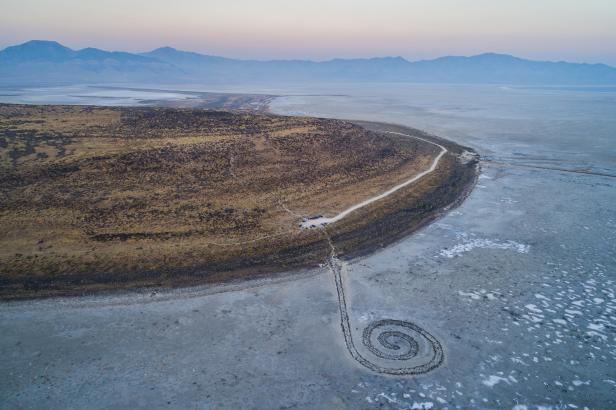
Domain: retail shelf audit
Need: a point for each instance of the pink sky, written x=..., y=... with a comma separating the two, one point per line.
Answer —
x=318, y=29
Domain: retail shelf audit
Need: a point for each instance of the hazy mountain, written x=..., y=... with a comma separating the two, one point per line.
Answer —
x=502, y=68
x=36, y=51
x=49, y=62
x=183, y=58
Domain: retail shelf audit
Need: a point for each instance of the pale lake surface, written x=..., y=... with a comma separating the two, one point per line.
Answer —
x=518, y=284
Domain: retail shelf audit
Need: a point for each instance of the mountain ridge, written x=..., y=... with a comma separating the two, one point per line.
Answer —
x=50, y=61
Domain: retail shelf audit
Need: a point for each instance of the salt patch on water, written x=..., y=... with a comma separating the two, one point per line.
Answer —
x=388, y=398
x=533, y=308
x=426, y=405
x=596, y=326
x=484, y=244
x=592, y=333
x=494, y=380
x=471, y=295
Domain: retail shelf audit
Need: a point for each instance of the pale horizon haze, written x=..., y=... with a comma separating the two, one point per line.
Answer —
x=414, y=29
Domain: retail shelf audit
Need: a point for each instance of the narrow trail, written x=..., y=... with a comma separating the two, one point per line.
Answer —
x=322, y=220
x=260, y=238
x=231, y=165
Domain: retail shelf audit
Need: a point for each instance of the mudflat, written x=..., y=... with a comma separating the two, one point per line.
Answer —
x=100, y=198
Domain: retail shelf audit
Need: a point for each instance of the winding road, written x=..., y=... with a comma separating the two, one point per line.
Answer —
x=390, y=346
x=322, y=220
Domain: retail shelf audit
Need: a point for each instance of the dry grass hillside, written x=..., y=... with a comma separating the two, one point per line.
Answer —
x=95, y=198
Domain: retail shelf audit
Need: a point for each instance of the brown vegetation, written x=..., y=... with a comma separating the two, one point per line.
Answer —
x=97, y=198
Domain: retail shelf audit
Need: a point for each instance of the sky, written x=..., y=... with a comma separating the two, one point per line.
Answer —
x=572, y=30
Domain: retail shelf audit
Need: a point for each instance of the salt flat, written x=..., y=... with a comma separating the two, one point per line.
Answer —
x=518, y=284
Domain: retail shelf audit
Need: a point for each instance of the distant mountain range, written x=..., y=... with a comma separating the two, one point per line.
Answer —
x=49, y=62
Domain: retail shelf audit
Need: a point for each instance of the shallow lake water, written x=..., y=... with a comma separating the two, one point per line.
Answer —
x=83, y=95
x=518, y=284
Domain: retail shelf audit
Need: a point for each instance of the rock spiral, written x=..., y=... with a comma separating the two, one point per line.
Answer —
x=399, y=340
x=399, y=347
